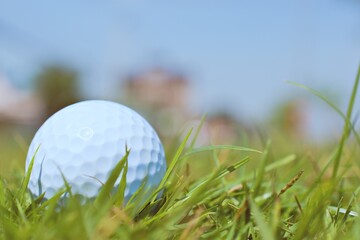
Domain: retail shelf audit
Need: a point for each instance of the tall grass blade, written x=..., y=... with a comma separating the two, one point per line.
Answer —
x=119, y=196
x=346, y=119
x=26, y=180
x=197, y=132
x=347, y=125
x=172, y=164
x=264, y=228
x=261, y=169
x=106, y=189
x=281, y=162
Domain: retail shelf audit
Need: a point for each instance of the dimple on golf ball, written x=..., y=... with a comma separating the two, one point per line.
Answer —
x=84, y=141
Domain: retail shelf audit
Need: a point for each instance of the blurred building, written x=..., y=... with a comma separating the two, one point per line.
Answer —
x=223, y=129
x=18, y=107
x=161, y=95
x=158, y=88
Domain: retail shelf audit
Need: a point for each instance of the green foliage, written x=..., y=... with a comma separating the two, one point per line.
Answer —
x=58, y=87
x=252, y=194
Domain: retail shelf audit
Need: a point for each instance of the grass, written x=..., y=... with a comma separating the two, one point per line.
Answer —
x=259, y=192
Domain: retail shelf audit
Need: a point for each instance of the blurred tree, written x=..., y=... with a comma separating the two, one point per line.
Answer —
x=58, y=87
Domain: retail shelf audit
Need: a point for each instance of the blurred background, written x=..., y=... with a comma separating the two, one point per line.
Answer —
x=175, y=62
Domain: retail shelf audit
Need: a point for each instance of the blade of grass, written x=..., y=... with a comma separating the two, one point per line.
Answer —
x=49, y=206
x=176, y=211
x=105, y=191
x=21, y=212
x=2, y=192
x=264, y=227
x=34, y=204
x=338, y=210
x=261, y=171
x=197, y=132
x=67, y=185
x=333, y=106
x=286, y=160
x=219, y=147
x=172, y=164
x=319, y=95
x=277, y=164
x=119, y=196
x=217, y=164
x=216, y=176
x=347, y=125
x=26, y=180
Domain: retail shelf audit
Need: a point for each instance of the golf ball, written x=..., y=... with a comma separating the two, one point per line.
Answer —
x=84, y=141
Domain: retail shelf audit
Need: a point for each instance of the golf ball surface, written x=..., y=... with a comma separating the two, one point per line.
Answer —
x=84, y=141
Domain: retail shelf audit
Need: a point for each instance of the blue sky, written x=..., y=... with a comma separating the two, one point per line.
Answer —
x=237, y=53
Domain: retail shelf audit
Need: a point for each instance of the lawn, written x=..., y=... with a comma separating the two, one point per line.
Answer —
x=273, y=188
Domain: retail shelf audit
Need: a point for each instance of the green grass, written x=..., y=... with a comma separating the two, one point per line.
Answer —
x=270, y=191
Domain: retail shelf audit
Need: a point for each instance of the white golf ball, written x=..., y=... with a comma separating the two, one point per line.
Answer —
x=84, y=141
